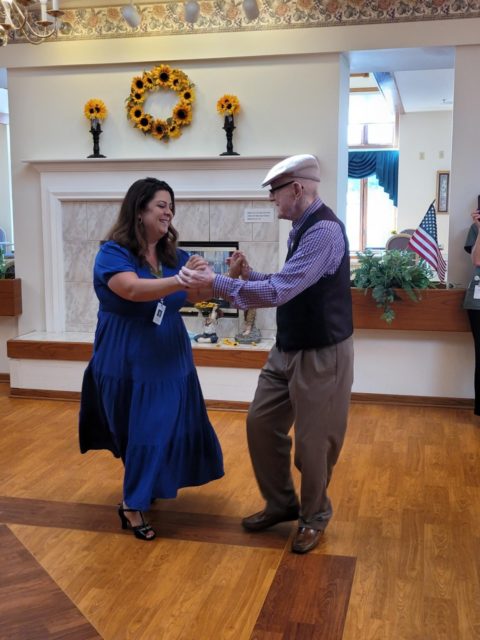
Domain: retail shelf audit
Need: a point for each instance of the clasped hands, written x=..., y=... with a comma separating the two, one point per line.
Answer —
x=197, y=273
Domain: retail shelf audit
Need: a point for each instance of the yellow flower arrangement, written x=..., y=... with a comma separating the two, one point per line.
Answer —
x=206, y=308
x=161, y=77
x=95, y=109
x=228, y=105
x=204, y=305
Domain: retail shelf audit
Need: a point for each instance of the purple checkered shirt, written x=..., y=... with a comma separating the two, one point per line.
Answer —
x=319, y=253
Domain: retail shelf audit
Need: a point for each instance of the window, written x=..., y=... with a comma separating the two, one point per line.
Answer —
x=371, y=215
x=371, y=123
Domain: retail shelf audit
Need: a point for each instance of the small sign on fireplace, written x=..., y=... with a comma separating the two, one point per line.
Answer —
x=264, y=214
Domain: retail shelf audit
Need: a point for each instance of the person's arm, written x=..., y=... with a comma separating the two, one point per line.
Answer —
x=129, y=286
x=476, y=247
x=319, y=253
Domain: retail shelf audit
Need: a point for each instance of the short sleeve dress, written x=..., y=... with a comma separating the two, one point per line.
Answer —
x=141, y=397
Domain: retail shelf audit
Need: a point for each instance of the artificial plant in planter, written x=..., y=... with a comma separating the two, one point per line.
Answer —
x=392, y=270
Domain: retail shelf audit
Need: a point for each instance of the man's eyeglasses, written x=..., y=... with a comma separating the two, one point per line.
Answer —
x=272, y=191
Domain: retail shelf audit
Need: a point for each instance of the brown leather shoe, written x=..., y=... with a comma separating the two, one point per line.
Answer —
x=263, y=520
x=306, y=539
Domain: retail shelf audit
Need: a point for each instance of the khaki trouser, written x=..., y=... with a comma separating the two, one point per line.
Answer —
x=311, y=389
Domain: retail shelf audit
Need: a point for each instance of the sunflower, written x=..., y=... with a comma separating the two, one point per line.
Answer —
x=145, y=123
x=95, y=109
x=159, y=129
x=148, y=80
x=178, y=80
x=138, y=96
x=162, y=75
x=187, y=95
x=138, y=84
x=136, y=113
x=228, y=105
x=182, y=113
x=174, y=130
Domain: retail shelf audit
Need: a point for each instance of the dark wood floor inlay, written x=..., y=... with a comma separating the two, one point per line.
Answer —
x=32, y=606
x=200, y=527
x=308, y=599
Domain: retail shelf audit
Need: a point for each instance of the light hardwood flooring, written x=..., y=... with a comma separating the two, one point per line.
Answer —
x=399, y=561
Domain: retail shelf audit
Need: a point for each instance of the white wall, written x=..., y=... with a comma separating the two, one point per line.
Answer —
x=288, y=83
x=425, y=148
x=5, y=177
x=296, y=116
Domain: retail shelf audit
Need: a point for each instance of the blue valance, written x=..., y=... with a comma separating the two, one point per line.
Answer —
x=384, y=164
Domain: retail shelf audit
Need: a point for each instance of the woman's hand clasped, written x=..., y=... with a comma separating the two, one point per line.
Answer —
x=196, y=278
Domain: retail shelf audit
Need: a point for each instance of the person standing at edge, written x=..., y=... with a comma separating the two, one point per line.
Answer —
x=472, y=298
x=308, y=376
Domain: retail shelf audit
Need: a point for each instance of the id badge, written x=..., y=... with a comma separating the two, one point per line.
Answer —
x=476, y=292
x=159, y=313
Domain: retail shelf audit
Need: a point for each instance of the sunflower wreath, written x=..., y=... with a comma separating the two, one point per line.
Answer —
x=161, y=78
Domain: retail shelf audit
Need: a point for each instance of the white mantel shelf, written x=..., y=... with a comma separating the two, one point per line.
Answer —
x=140, y=164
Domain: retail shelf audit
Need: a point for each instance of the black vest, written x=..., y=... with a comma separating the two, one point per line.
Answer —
x=322, y=314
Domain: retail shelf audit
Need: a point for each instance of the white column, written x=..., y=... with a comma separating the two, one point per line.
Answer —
x=465, y=169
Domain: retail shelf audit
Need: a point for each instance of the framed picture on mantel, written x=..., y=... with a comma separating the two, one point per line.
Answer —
x=216, y=254
x=443, y=188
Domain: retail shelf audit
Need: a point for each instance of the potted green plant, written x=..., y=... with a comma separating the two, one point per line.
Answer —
x=384, y=274
x=10, y=288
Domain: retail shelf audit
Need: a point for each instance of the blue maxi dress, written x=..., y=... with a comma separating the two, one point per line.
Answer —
x=141, y=397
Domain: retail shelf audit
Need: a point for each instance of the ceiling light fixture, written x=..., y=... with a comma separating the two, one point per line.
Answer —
x=23, y=18
x=192, y=11
x=131, y=15
x=251, y=9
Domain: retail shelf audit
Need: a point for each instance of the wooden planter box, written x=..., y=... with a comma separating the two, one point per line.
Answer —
x=438, y=310
x=10, y=297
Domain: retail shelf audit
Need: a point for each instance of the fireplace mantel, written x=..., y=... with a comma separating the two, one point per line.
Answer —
x=140, y=164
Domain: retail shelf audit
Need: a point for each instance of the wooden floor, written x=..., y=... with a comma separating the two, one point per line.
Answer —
x=399, y=561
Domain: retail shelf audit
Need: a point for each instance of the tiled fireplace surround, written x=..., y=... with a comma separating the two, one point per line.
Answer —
x=80, y=203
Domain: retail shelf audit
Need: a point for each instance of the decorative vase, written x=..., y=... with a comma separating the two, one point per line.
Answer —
x=229, y=126
x=96, y=130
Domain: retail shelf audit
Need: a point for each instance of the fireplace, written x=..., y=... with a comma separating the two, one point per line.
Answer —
x=80, y=200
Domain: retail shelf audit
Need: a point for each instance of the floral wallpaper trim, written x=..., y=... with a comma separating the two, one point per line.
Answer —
x=216, y=16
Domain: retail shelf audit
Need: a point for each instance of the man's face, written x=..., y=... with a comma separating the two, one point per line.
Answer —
x=285, y=196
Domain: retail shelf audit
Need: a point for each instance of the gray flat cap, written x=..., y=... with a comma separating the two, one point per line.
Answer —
x=302, y=166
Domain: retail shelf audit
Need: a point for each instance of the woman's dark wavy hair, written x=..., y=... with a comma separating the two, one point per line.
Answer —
x=129, y=233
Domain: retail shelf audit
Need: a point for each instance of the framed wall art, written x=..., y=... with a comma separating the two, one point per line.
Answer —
x=443, y=188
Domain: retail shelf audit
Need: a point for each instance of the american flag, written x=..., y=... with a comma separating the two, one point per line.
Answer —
x=424, y=242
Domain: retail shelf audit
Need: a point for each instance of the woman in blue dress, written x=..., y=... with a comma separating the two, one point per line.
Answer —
x=141, y=398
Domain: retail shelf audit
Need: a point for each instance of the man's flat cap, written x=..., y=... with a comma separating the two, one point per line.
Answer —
x=302, y=166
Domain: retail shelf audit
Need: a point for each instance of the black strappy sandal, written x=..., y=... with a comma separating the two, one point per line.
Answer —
x=141, y=531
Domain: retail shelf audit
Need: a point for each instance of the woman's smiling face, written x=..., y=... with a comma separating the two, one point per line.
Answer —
x=157, y=216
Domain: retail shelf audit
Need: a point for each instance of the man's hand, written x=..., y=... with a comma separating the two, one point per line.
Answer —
x=196, y=278
x=238, y=265
x=196, y=262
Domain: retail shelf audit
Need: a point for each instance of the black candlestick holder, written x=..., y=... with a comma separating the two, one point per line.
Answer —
x=96, y=130
x=229, y=126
